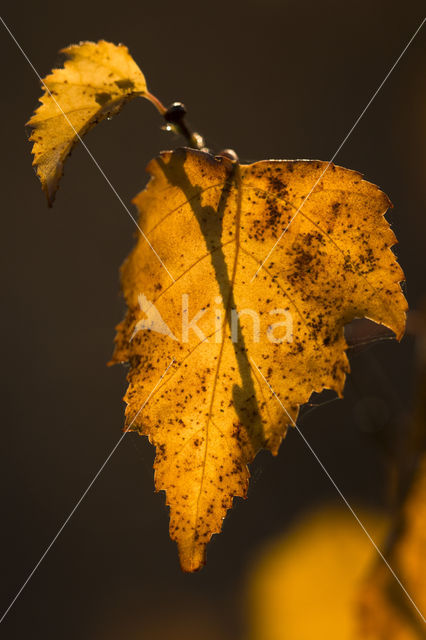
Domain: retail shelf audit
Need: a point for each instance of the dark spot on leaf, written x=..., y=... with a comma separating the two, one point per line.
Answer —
x=102, y=98
x=126, y=84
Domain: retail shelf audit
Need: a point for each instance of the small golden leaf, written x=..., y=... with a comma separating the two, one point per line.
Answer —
x=213, y=221
x=96, y=81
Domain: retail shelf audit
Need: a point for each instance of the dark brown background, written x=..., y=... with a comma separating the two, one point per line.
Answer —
x=271, y=79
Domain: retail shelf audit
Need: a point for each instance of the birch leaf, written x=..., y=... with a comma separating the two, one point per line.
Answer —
x=213, y=222
x=96, y=81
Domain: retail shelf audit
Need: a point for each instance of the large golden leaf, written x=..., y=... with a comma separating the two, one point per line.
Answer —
x=97, y=79
x=213, y=222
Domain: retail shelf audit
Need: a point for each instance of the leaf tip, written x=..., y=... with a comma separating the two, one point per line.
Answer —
x=192, y=557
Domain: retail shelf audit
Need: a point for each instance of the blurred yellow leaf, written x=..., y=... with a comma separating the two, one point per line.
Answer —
x=96, y=81
x=213, y=221
x=305, y=585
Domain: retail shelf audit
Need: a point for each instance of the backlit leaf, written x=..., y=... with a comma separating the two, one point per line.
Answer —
x=96, y=81
x=213, y=222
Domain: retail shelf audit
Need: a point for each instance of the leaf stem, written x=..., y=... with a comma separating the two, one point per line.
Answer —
x=156, y=102
x=175, y=118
